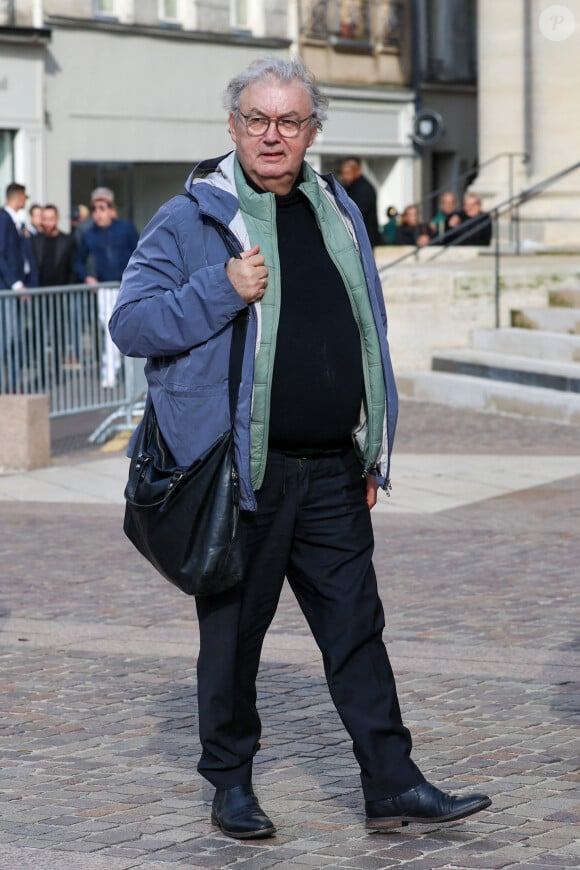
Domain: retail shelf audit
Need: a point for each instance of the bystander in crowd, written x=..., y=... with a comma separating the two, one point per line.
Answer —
x=54, y=252
x=389, y=232
x=447, y=207
x=471, y=225
x=17, y=272
x=411, y=230
x=34, y=223
x=103, y=253
x=363, y=193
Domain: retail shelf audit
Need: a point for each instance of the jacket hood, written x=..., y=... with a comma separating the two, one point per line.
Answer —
x=207, y=183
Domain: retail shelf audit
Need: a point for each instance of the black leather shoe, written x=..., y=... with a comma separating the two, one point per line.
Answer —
x=238, y=814
x=424, y=804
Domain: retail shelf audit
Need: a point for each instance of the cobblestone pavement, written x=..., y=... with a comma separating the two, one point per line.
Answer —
x=99, y=722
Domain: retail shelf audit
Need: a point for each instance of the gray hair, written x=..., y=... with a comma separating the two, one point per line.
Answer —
x=286, y=71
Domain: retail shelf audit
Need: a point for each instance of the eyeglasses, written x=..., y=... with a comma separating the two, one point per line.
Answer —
x=288, y=128
x=101, y=207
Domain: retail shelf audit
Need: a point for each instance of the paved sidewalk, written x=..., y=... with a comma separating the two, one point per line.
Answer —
x=478, y=558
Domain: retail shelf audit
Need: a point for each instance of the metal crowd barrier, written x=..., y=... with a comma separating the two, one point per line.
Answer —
x=55, y=340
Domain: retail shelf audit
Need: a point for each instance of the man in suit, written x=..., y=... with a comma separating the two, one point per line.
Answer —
x=16, y=269
x=17, y=272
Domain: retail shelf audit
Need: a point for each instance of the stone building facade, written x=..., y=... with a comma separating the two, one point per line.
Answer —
x=528, y=70
x=128, y=93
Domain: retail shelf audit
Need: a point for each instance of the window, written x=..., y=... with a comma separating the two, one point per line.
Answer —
x=348, y=20
x=239, y=14
x=114, y=10
x=451, y=42
x=169, y=10
x=106, y=8
x=247, y=15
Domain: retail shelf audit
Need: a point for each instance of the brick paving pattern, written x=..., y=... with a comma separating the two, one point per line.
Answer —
x=99, y=720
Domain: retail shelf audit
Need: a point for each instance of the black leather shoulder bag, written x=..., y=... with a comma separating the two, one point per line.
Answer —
x=185, y=520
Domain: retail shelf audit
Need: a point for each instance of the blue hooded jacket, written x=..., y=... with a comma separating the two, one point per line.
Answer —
x=176, y=306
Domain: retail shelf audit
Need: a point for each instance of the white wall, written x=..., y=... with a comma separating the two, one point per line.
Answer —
x=124, y=97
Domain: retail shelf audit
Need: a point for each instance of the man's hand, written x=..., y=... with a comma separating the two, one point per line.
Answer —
x=372, y=490
x=249, y=274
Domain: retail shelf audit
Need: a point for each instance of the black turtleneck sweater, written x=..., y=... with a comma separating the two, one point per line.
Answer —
x=317, y=385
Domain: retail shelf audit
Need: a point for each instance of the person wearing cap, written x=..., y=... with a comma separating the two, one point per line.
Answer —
x=102, y=255
x=106, y=246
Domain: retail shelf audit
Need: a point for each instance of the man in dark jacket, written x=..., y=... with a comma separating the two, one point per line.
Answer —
x=363, y=193
x=17, y=264
x=54, y=252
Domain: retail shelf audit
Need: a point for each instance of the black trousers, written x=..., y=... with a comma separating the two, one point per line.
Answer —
x=313, y=527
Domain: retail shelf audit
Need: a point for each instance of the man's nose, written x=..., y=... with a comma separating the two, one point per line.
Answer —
x=271, y=134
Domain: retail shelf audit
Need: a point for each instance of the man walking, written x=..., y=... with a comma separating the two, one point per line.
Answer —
x=313, y=429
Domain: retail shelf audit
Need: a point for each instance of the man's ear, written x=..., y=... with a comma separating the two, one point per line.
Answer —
x=312, y=137
x=232, y=127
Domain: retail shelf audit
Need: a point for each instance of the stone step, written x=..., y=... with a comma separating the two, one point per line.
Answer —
x=533, y=343
x=552, y=374
x=550, y=319
x=565, y=298
x=481, y=394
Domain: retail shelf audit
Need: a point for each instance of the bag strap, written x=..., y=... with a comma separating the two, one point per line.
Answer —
x=239, y=326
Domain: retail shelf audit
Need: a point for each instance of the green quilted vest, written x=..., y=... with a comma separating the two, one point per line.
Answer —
x=259, y=213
